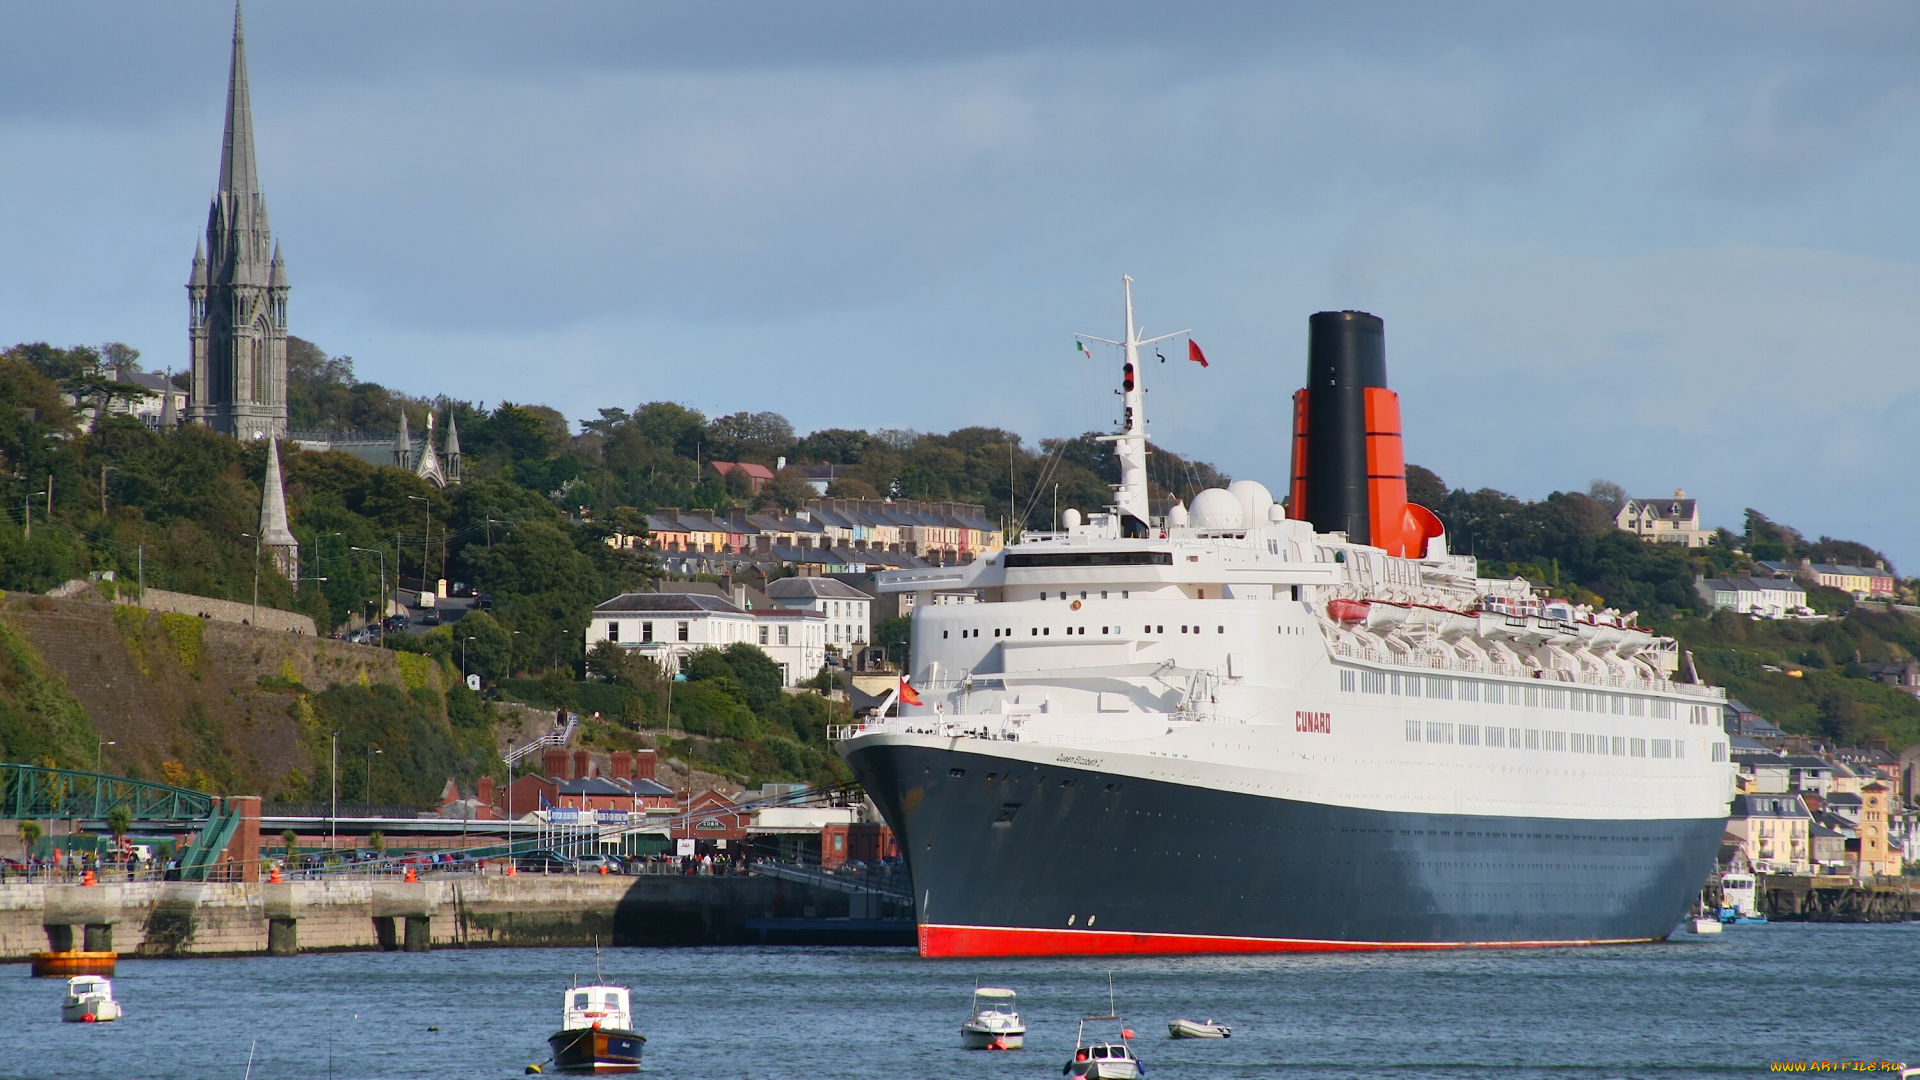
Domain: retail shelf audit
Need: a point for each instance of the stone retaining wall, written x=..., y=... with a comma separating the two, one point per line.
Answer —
x=208, y=919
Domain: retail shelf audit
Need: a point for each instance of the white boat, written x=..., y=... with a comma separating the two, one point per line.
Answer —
x=1706, y=924
x=596, y=1032
x=1104, y=1060
x=1196, y=1029
x=89, y=1001
x=992, y=1023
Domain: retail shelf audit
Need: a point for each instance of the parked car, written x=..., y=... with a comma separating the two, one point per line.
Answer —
x=544, y=862
x=462, y=590
x=483, y=601
x=591, y=864
x=430, y=617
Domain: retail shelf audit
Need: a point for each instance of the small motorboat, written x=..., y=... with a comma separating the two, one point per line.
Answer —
x=596, y=1032
x=1197, y=1029
x=1706, y=924
x=89, y=1001
x=1099, y=1060
x=992, y=1023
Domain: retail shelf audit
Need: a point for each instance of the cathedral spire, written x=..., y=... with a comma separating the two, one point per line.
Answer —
x=237, y=172
x=403, y=444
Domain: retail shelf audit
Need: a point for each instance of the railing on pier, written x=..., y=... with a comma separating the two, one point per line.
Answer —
x=562, y=737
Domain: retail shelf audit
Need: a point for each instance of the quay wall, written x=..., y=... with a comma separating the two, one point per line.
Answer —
x=173, y=918
x=1838, y=899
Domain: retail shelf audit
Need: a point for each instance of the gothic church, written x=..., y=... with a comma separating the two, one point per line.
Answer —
x=237, y=296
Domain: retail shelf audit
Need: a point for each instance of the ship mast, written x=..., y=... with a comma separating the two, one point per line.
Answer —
x=1130, y=444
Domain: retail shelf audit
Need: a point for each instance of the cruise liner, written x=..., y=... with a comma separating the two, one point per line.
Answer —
x=1238, y=726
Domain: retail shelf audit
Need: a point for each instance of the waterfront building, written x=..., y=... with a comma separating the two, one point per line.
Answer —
x=667, y=627
x=848, y=611
x=1774, y=831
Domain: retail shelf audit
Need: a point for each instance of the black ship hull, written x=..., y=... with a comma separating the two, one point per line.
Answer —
x=1019, y=858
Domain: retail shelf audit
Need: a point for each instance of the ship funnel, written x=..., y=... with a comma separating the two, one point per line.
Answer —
x=1349, y=472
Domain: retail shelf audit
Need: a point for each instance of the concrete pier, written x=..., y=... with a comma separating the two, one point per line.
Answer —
x=176, y=918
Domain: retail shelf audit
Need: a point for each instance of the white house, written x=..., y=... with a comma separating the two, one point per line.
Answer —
x=1770, y=598
x=1665, y=521
x=668, y=626
x=849, y=612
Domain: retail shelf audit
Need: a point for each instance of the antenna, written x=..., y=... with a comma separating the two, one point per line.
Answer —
x=1130, y=445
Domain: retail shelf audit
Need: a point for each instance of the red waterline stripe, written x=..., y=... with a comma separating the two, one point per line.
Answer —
x=938, y=940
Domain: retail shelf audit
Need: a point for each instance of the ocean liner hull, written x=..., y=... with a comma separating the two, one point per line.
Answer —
x=1013, y=856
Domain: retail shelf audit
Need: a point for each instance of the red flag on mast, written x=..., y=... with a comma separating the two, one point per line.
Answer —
x=907, y=695
x=1194, y=354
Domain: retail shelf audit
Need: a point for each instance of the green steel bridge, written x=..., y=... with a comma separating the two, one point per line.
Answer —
x=30, y=791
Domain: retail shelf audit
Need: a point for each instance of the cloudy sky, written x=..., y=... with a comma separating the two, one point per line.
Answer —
x=1670, y=245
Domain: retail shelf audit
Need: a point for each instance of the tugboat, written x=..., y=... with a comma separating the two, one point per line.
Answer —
x=596, y=1032
x=89, y=1001
x=992, y=1023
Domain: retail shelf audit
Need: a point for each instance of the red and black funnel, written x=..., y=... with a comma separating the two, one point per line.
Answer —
x=1349, y=471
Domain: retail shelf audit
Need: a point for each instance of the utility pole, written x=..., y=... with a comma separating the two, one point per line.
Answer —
x=143, y=574
x=427, y=510
x=256, y=577
x=383, y=587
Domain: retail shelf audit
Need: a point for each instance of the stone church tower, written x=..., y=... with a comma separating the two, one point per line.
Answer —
x=237, y=296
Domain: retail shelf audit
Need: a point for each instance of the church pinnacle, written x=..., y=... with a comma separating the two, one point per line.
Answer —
x=276, y=538
x=237, y=295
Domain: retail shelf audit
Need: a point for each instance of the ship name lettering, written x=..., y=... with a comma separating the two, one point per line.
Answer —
x=1320, y=723
x=1075, y=759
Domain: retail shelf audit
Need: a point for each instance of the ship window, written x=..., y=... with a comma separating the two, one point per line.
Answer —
x=1663, y=748
x=1296, y=592
x=1469, y=690
x=1439, y=733
x=1639, y=748
x=582, y=1001
x=956, y=773
x=1410, y=685
x=1495, y=694
x=1533, y=739
x=1373, y=682
x=1440, y=688
x=1033, y=631
x=1099, y=1051
x=1557, y=740
x=1620, y=747
x=943, y=635
x=1413, y=731
x=1497, y=736
x=1068, y=782
x=1083, y=595
x=1220, y=629
x=1123, y=594
x=1159, y=629
x=1103, y=594
x=1513, y=737
x=1347, y=681
x=1679, y=748
x=1046, y=631
x=1469, y=735
x=996, y=632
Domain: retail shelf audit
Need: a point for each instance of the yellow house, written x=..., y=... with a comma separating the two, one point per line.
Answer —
x=1774, y=831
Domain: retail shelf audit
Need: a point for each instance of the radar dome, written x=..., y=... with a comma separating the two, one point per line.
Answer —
x=1070, y=518
x=1254, y=500
x=1176, y=514
x=1218, y=508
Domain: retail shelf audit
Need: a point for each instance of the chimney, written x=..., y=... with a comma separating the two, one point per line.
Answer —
x=485, y=790
x=740, y=597
x=1679, y=493
x=621, y=764
x=643, y=762
x=555, y=760
x=582, y=764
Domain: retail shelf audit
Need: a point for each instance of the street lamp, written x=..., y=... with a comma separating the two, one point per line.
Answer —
x=99, y=752
x=372, y=750
x=334, y=820
x=256, y=575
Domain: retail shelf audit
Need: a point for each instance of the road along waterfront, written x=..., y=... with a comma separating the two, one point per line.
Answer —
x=1711, y=1006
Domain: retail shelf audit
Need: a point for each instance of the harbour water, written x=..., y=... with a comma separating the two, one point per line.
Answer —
x=1723, y=1005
